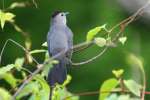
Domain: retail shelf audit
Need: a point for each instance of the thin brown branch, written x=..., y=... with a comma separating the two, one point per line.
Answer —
x=95, y=93
x=101, y=92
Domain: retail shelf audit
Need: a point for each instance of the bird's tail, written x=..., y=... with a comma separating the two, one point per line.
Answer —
x=51, y=93
x=57, y=74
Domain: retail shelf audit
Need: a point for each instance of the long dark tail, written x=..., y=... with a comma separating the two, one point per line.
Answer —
x=51, y=93
x=57, y=74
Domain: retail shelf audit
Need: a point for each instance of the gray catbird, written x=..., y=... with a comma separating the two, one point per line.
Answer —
x=59, y=39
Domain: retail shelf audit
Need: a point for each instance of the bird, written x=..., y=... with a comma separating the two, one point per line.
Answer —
x=59, y=39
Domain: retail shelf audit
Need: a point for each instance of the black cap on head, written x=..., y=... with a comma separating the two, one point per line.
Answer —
x=55, y=13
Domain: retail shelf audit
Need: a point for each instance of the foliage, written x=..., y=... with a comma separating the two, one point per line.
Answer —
x=117, y=88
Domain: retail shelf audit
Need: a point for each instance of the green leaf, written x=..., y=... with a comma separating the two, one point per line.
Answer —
x=61, y=94
x=133, y=86
x=17, y=4
x=118, y=73
x=124, y=97
x=44, y=44
x=100, y=41
x=108, y=85
x=42, y=82
x=37, y=51
x=44, y=91
x=112, y=97
x=32, y=87
x=6, y=69
x=6, y=17
x=93, y=32
x=67, y=81
x=8, y=77
x=19, y=63
x=4, y=94
x=123, y=40
x=35, y=97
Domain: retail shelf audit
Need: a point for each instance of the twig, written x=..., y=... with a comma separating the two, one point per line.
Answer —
x=125, y=23
x=122, y=24
x=98, y=92
x=91, y=59
x=1, y=54
x=95, y=93
x=82, y=46
x=40, y=67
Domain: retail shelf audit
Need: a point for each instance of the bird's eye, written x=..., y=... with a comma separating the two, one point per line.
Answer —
x=62, y=14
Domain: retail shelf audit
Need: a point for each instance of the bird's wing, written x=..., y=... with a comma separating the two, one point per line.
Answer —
x=70, y=37
x=48, y=43
x=70, y=43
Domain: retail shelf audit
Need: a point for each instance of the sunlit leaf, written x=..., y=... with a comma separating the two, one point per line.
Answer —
x=67, y=81
x=108, y=85
x=6, y=17
x=124, y=97
x=93, y=32
x=19, y=63
x=118, y=73
x=8, y=77
x=112, y=97
x=100, y=41
x=42, y=82
x=123, y=40
x=32, y=87
x=44, y=44
x=37, y=51
x=133, y=86
x=63, y=94
x=4, y=94
x=44, y=92
x=7, y=68
x=34, y=97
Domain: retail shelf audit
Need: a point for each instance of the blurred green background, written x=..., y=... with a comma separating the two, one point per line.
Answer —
x=84, y=15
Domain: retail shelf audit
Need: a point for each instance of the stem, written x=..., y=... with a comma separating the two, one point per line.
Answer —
x=19, y=45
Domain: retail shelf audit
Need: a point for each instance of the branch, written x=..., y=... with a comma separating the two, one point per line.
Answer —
x=19, y=45
x=123, y=24
x=40, y=67
x=98, y=92
x=91, y=59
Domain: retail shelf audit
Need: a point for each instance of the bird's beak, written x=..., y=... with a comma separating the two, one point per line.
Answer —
x=66, y=13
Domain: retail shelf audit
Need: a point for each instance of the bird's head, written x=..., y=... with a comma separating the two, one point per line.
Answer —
x=59, y=17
